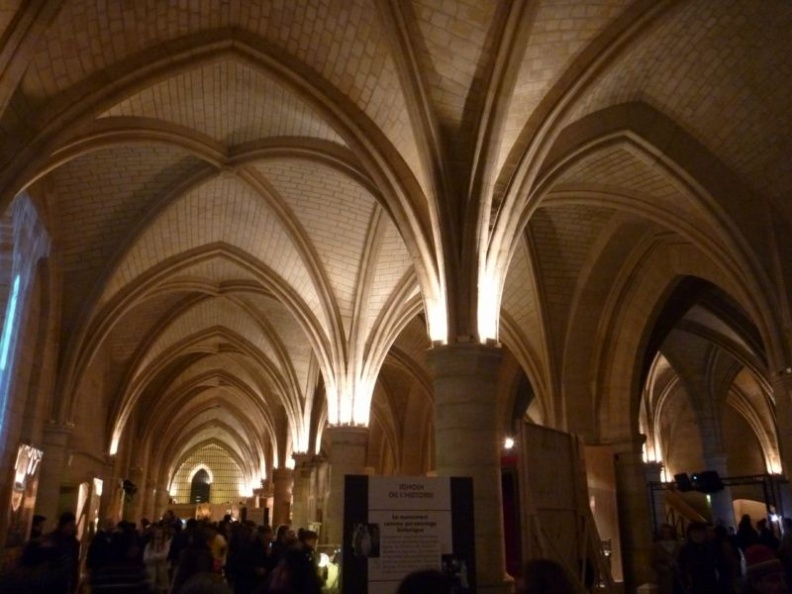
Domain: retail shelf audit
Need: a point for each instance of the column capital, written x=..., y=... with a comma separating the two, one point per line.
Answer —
x=304, y=459
x=279, y=474
x=629, y=445
x=57, y=433
x=464, y=359
x=348, y=434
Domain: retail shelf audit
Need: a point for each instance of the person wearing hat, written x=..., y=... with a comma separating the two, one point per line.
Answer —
x=764, y=572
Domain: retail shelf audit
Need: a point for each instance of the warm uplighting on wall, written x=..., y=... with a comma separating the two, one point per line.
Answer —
x=488, y=309
x=246, y=489
x=773, y=464
x=114, y=443
x=350, y=406
x=437, y=321
x=364, y=392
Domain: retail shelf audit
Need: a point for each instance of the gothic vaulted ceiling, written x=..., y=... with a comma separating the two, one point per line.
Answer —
x=253, y=203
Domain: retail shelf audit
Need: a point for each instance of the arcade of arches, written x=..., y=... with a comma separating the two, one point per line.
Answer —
x=322, y=237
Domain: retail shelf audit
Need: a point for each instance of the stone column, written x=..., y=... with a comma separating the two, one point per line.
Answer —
x=133, y=502
x=150, y=502
x=347, y=456
x=53, y=463
x=653, y=475
x=109, y=483
x=782, y=390
x=282, y=484
x=161, y=499
x=467, y=441
x=632, y=500
x=303, y=474
x=721, y=502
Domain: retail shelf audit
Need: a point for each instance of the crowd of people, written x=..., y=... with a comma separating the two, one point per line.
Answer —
x=170, y=557
x=716, y=560
x=174, y=557
x=200, y=557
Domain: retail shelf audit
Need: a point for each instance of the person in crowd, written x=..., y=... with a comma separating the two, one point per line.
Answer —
x=697, y=561
x=219, y=548
x=37, y=527
x=195, y=558
x=144, y=531
x=785, y=549
x=49, y=564
x=746, y=533
x=100, y=549
x=180, y=541
x=293, y=574
x=239, y=562
x=155, y=557
x=206, y=583
x=120, y=568
x=284, y=538
x=727, y=562
x=545, y=576
x=66, y=548
x=263, y=560
x=764, y=572
x=308, y=540
x=766, y=535
x=236, y=558
x=425, y=581
x=665, y=556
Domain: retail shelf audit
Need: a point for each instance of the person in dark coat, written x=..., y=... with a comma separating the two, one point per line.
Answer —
x=697, y=561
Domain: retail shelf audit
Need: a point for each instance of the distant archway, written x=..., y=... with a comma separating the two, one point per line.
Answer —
x=200, y=487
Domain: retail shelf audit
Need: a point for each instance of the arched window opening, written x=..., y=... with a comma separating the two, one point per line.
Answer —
x=200, y=487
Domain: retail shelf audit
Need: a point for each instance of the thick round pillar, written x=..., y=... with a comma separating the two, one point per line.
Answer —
x=282, y=484
x=635, y=532
x=721, y=502
x=467, y=441
x=161, y=499
x=150, y=502
x=782, y=390
x=133, y=502
x=303, y=475
x=53, y=463
x=347, y=456
x=109, y=505
x=657, y=496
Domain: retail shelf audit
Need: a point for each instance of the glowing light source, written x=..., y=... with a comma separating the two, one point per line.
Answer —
x=246, y=488
x=323, y=559
x=9, y=325
x=488, y=307
x=508, y=443
x=437, y=321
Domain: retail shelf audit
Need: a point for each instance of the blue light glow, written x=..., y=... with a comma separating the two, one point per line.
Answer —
x=9, y=327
